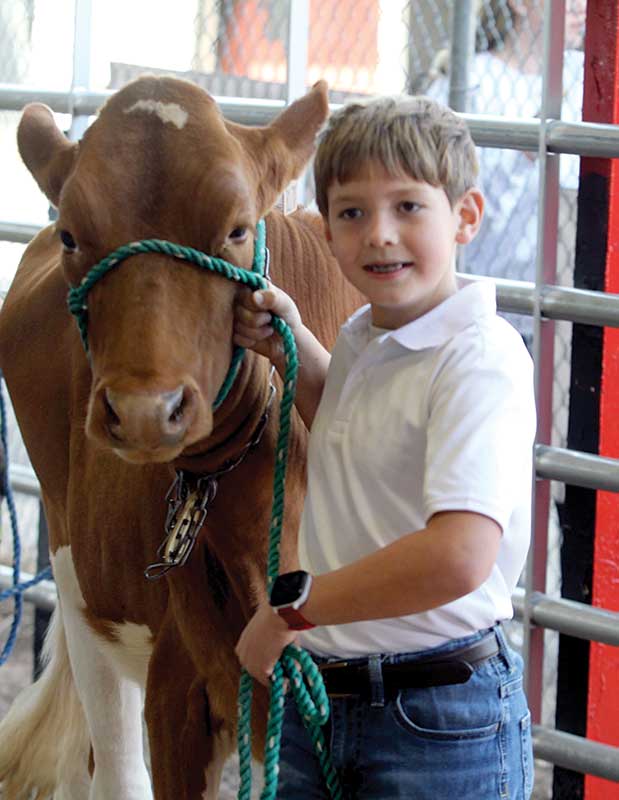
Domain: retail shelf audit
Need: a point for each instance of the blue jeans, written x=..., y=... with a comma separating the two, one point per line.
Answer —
x=470, y=741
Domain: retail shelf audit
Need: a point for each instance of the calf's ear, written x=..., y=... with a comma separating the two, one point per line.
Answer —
x=281, y=150
x=45, y=150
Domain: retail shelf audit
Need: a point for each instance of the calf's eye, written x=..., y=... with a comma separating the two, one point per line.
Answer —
x=67, y=240
x=238, y=234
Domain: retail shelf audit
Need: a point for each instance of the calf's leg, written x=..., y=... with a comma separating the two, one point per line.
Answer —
x=178, y=720
x=112, y=703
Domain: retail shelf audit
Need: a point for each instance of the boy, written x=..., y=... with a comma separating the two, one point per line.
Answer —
x=417, y=517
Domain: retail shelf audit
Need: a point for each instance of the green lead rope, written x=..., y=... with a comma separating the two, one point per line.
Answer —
x=305, y=680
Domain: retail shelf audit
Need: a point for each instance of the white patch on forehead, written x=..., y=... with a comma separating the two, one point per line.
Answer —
x=167, y=112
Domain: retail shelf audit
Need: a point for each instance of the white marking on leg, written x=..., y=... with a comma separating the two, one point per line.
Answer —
x=131, y=651
x=112, y=703
x=222, y=748
x=167, y=112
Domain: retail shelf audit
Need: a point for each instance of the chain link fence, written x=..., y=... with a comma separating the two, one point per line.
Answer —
x=240, y=48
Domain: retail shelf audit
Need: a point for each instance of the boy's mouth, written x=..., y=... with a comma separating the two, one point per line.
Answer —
x=386, y=268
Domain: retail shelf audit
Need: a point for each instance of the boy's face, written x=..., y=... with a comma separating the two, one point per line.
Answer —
x=395, y=240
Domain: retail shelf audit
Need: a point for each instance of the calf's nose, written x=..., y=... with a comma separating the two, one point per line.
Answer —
x=148, y=420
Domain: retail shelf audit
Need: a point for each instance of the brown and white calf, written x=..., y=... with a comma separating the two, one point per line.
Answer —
x=106, y=434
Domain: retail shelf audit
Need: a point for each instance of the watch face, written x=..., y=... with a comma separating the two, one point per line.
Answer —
x=288, y=587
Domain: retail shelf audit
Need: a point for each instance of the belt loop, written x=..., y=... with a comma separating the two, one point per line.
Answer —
x=377, y=688
x=504, y=648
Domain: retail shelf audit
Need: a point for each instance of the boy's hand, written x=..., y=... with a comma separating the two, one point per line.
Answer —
x=252, y=323
x=262, y=642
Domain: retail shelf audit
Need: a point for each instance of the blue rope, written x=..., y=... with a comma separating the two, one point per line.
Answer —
x=17, y=589
x=44, y=575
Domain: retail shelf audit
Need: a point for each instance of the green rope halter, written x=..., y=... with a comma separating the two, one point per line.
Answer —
x=311, y=699
x=254, y=279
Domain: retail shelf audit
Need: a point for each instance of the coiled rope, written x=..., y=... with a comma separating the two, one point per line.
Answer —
x=305, y=679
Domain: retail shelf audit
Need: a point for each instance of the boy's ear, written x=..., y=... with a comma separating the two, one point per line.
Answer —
x=328, y=234
x=471, y=211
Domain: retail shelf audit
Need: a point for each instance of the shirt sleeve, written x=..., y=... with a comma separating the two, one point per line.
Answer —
x=480, y=431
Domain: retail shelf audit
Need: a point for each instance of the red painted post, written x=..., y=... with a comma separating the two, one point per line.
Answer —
x=601, y=104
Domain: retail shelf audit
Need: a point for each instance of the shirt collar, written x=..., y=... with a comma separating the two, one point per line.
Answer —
x=474, y=300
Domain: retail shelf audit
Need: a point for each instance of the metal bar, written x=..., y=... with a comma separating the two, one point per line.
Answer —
x=298, y=47
x=576, y=753
x=557, y=302
x=14, y=97
x=462, y=51
x=24, y=480
x=577, y=468
x=82, y=41
x=298, y=33
x=581, y=138
x=543, y=343
x=86, y=103
x=16, y=232
x=43, y=595
x=580, y=305
x=569, y=617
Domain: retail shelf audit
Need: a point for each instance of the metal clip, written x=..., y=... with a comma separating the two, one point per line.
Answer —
x=186, y=514
x=267, y=263
x=187, y=508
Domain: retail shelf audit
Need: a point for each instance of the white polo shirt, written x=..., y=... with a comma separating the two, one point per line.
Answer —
x=438, y=415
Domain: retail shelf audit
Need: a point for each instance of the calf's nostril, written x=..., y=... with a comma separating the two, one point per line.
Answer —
x=112, y=416
x=175, y=403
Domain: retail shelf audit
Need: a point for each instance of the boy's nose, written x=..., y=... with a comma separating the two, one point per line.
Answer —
x=381, y=232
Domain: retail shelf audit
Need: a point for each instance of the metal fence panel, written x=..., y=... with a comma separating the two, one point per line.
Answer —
x=239, y=48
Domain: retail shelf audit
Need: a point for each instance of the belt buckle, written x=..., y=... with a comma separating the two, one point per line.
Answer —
x=328, y=666
x=334, y=667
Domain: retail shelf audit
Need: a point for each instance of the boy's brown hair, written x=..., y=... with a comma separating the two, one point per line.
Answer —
x=412, y=135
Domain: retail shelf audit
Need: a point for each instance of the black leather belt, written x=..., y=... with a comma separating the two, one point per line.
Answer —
x=352, y=678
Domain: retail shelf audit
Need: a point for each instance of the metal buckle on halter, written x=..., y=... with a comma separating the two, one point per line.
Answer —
x=187, y=511
x=187, y=507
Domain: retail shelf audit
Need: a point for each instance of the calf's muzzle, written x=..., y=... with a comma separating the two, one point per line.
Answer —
x=147, y=421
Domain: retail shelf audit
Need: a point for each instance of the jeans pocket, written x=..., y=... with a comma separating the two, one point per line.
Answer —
x=527, y=754
x=450, y=713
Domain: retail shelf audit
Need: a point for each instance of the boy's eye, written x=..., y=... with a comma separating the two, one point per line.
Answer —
x=351, y=213
x=409, y=206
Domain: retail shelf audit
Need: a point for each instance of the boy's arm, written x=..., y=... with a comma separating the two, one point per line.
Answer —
x=252, y=329
x=448, y=559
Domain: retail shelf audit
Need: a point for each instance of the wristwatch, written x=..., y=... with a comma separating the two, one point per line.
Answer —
x=288, y=594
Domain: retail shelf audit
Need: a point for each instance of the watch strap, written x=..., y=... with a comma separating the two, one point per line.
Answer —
x=294, y=618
